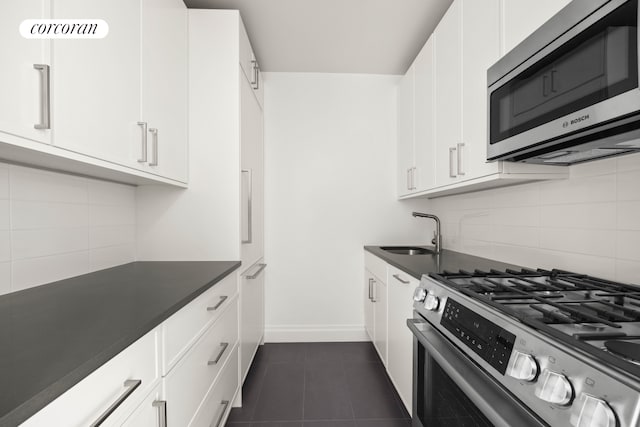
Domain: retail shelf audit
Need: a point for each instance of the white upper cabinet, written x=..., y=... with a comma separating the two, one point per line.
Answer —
x=405, y=156
x=448, y=94
x=521, y=18
x=423, y=119
x=250, y=66
x=164, y=86
x=20, y=82
x=96, y=82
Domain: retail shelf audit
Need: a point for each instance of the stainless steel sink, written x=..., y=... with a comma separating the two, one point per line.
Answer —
x=406, y=250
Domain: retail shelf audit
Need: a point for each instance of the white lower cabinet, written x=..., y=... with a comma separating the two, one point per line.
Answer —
x=400, y=344
x=376, y=303
x=170, y=377
x=128, y=377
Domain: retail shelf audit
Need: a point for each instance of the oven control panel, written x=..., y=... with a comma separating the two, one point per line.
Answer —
x=489, y=341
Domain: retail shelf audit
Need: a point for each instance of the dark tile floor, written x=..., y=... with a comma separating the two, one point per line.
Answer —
x=318, y=385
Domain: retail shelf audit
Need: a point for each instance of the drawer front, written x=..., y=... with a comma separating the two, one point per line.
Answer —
x=84, y=403
x=375, y=265
x=215, y=407
x=150, y=411
x=184, y=328
x=188, y=382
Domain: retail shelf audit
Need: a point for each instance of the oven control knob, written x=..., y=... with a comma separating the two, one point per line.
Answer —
x=431, y=302
x=554, y=388
x=522, y=367
x=419, y=294
x=590, y=411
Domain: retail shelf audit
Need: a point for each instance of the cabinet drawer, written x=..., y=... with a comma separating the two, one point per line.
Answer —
x=216, y=406
x=84, y=403
x=182, y=329
x=150, y=411
x=187, y=384
x=375, y=265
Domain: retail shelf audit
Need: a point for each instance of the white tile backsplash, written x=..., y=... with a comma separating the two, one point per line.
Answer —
x=588, y=223
x=54, y=226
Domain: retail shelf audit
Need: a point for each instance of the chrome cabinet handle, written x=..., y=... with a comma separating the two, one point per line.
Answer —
x=154, y=145
x=409, y=179
x=401, y=280
x=257, y=273
x=215, y=361
x=254, y=81
x=223, y=298
x=162, y=412
x=371, y=289
x=224, y=404
x=45, y=98
x=131, y=386
x=249, y=238
x=451, y=172
x=460, y=159
x=143, y=152
x=413, y=178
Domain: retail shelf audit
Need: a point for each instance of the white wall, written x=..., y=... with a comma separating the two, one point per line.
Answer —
x=330, y=188
x=54, y=226
x=589, y=223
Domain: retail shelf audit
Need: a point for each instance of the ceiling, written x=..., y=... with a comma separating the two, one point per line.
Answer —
x=335, y=36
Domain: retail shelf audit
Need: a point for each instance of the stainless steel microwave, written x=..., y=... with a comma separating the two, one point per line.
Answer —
x=569, y=92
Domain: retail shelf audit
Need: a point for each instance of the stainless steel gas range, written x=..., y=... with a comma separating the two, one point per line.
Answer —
x=525, y=348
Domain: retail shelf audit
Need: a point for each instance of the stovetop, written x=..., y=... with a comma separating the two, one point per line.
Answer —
x=597, y=316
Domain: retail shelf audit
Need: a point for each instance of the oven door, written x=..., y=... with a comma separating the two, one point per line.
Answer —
x=451, y=390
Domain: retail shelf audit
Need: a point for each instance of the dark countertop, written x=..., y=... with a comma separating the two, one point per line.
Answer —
x=53, y=336
x=417, y=265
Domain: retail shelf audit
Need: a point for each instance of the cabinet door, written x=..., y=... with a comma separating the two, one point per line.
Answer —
x=252, y=212
x=20, y=82
x=400, y=351
x=480, y=49
x=251, y=314
x=368, y=304
x=96, y=82
x=448, y=94
x=520, y=19
x=164, y=86
x=424, y=141
x=150, y=412
x=380, y=318
x=405, y=133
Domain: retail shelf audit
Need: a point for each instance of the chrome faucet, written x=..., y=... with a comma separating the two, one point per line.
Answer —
x=437, y=237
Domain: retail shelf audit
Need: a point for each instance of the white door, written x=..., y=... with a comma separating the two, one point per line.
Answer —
x=448, y=94
x=405, y=133
x=424, y=139
x=369, y=304
x=252, y=175
x=251, y=314
x=20, y=83
x=96, y=82
x=380, y=318
x=480, y=50
x=164, y=86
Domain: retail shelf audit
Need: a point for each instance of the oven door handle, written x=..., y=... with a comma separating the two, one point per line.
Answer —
x=498, y=406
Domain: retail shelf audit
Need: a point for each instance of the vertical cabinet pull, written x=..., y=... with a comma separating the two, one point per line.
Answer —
x=143, y=152
x=452, y=173
x=215, y=361
x=162, y=412
x=409, y=179
x=370, y=288
x=45, y=99
x=223, y=298
x=460, y=159
x=373, y=290
x=131, y=386
x=413, y=178
x=154, y=146
x=224, y=404
x=255, y=80
x=249, y=174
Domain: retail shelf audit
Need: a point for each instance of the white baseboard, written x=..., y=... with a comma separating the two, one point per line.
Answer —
x=314, y=333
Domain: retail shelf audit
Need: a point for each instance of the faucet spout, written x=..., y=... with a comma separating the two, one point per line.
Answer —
x=437, y=238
